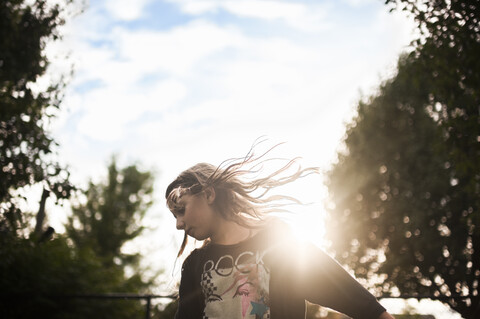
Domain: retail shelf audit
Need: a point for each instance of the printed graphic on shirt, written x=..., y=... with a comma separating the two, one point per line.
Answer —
x=236, y=287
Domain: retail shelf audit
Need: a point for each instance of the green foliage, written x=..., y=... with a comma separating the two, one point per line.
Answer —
x=25, y=144
x=36, y=278
x=443, y=22
x=395, y=191
x=38, y=274
x=389, y=187
x=112, y=214
x=408, y=184
x=447, y=55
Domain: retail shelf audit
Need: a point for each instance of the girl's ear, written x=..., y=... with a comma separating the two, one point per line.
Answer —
x=210, y=194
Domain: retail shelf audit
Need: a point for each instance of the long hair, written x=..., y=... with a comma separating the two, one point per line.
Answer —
x=241, y=195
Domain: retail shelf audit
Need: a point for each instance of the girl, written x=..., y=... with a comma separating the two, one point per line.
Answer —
x=250, y=266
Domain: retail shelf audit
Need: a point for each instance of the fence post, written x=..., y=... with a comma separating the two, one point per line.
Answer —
x=147, y=310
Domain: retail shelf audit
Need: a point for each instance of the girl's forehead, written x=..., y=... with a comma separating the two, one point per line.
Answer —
x=180, y=196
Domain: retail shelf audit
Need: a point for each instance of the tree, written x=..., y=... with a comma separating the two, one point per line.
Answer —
x=408, y=183
x=112, y=214
x=38, y=276
x=37, y=279
x=38, y=271
x=394, y=190
x=447, y=51
x=25, y=143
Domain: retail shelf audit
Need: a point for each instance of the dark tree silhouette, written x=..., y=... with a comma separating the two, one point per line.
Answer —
x=25, y=143
x=406, y=190
x=112, y=214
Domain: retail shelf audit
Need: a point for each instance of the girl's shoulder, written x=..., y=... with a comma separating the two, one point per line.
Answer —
x=193, y=260
x=277, y=230
x=195, y=254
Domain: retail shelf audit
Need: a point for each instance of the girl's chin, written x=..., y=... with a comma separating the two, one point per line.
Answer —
x=197, y=236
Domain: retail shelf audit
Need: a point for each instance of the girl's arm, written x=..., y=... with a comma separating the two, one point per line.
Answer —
x=307, y=272
x=386, y=315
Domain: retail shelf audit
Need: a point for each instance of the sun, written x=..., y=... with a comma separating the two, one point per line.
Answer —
x=308, y=224
x=307, y=220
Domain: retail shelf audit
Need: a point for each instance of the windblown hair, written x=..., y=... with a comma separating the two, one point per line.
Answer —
x=240, y=195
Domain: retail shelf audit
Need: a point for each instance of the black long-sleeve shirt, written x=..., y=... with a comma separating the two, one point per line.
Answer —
x=269, y=275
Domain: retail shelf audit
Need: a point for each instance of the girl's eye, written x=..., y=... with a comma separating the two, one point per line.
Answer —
x=179, y=211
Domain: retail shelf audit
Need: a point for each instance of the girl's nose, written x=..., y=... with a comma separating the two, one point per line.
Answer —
x=180, y=224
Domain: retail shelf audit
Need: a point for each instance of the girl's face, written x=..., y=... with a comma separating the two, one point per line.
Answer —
x=196, y=215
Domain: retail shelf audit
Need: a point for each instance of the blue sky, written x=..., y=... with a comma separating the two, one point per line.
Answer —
x=170, y=83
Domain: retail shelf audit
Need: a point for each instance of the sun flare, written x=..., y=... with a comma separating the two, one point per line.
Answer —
x=308, y=224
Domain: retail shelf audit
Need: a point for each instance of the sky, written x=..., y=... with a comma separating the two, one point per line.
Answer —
x=167, y=84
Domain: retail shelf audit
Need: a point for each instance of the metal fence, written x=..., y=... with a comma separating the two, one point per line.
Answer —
x=111, y=296
x=123, y=296
x=149, y=297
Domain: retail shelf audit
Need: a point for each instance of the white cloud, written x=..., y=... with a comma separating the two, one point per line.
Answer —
x=307, y=18
x=197, y=7
x=110, y=111
x=263, y=67
x=121, y=97
x=126, y=10
x=296, y=15
x=359, y=3
x=262, y=79
x=178, y=50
